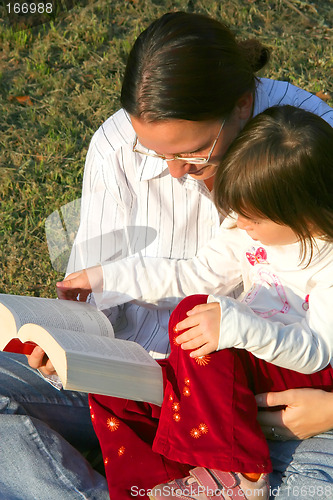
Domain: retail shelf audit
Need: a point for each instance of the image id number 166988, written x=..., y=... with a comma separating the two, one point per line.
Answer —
x=29, y=8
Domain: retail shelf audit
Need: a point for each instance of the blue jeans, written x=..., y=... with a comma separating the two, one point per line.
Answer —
x=303, y=470
x=42, y=432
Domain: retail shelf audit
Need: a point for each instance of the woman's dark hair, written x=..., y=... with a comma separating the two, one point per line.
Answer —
x=188, y=66
x=280, y=168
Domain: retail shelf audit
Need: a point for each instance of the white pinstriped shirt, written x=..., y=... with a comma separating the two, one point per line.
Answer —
x=162, y=216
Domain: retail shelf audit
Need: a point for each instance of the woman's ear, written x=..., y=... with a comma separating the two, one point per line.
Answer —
x=244, y=106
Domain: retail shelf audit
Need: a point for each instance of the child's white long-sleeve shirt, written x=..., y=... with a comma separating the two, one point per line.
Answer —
x=285, y=315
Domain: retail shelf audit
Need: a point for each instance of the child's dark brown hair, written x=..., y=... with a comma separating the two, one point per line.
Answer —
x=280, y=168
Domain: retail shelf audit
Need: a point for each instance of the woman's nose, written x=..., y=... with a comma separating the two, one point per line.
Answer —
x=178, y=168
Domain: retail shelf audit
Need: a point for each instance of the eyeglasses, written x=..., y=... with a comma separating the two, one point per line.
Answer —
x=191, y=159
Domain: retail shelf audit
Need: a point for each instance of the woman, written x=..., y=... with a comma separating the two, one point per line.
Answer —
x=188, y=90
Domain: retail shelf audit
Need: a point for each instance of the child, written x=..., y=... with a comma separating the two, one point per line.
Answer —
x=278, y=178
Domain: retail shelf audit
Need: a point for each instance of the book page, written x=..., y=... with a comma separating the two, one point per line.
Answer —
x=54, y=313
x=103, y=347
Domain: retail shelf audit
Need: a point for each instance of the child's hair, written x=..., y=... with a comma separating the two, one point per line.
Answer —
x=189, y=66
x=280, y=168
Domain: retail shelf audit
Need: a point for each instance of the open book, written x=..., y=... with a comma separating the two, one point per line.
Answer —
x=79, y=341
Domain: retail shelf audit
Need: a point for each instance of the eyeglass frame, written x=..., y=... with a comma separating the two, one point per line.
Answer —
x=193, y=159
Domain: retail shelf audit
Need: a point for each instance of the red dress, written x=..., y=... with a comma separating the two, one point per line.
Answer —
x=208, y=417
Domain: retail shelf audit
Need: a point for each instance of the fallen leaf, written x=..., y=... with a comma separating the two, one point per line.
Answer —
x=21, y=99
x=325, y=96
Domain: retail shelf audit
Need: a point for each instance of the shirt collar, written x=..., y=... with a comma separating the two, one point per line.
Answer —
x=149, y=168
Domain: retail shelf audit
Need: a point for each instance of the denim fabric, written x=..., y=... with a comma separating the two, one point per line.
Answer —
x=41, y=431
x=302, y=469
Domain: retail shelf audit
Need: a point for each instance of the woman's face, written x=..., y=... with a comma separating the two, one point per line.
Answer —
x=189, y=138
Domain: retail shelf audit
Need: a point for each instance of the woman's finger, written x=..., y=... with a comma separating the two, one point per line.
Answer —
x=39, y=360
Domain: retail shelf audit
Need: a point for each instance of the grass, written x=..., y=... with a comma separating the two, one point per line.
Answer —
x=69, y=72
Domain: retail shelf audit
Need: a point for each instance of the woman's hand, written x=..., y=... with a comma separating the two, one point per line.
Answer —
x=39, y=360
x=77, y=286
x=308, y=412
x=203, y=329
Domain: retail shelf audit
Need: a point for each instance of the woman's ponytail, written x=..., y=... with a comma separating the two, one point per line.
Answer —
x=255, y=53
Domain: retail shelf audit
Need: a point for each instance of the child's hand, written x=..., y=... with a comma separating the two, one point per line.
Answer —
x=203, y=324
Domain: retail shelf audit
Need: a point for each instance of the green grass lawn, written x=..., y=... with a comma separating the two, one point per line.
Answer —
x=69, y=71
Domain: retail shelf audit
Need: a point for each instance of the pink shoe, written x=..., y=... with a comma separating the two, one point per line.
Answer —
x=207, y=484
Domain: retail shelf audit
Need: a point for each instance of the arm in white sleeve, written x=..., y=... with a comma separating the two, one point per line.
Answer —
x=305, y=346
x=159, y=281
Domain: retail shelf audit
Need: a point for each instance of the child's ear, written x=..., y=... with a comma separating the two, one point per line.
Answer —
x=244, y=106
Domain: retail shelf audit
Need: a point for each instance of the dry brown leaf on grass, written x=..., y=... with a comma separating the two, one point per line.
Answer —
x=324, y=96
x=21, y=99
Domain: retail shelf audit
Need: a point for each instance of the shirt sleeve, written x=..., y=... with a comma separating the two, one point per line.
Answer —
x=305, y=346
x=162, y=282
x=305, y=100
x=278, y=93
